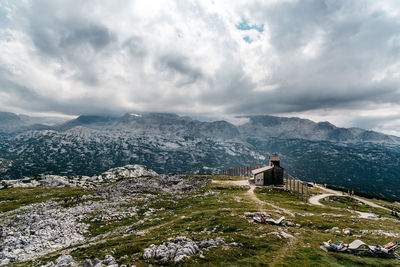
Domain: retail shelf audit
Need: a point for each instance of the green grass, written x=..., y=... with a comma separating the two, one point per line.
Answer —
x=347, y=202
x=16, y=197
x=221, y=207
x=287, y=200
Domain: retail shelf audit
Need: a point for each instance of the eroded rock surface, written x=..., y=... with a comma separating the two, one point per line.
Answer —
x=179, y=248
x=67, y=260
x=38, y=229
x=112, y=175
x=173, y=184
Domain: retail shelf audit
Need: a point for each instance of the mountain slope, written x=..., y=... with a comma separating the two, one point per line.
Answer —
x=287, y=128
x=168, y=143
x=9, y=122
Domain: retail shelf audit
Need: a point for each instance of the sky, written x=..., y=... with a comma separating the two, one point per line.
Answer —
x=326, y=60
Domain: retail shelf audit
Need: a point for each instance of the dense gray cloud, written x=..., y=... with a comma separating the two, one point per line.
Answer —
x=325, y=60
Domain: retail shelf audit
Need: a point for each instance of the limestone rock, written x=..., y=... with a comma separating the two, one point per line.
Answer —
x=179, y=248
x=65, y=260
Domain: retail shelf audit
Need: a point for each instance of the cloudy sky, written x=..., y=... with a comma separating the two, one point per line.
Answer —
x=323, y=60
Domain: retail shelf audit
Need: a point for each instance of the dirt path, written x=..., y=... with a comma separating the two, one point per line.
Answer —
x=372, y=204
x=252, y=196
x=238, y=183
x=315, y=199
x=330, y=192
x=116, y=234
x=250, y=193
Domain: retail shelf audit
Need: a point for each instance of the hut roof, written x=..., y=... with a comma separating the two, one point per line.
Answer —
x=263, y=169
x=274, y=158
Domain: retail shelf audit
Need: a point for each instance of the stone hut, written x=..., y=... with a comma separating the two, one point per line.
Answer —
x=271, y=174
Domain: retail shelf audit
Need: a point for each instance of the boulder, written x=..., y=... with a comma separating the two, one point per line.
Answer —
x=87, y=263
x=109, y=260
x=65, y=260
x=179, y=248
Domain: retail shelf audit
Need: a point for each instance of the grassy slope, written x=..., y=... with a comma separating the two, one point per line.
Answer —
x=223, y=211
x=14, y=198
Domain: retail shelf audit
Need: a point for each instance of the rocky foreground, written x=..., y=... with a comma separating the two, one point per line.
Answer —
x=110, y=176
x=41, y=228
x=131, y=216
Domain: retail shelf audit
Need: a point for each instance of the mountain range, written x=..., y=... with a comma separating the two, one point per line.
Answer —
x=358, y=159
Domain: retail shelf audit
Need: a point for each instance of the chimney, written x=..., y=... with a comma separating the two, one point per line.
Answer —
x=274, y=161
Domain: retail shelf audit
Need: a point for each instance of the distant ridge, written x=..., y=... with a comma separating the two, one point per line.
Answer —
x=259, y=126
x=348, y=157
x=282, y=127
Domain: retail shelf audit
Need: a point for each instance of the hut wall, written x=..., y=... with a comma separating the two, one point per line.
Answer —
x=277, y=176
x=268, y=177
x=259, y=179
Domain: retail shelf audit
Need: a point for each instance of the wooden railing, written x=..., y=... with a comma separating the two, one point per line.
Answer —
x=241, y=171
x=297, y=187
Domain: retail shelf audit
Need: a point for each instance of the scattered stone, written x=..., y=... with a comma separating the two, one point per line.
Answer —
x=172, y=184
x=179, y=248
x=234, y=244
x=256, y=214
x=42, y=228
x=380, y=232
x=96, y=262
x=332, y=215
x=366, y=215
x=275, y=233
x=306, y=214
x=108, y=260
x=285, y=235
x=348, y=231
x=65, y=260
x=207, y=243
x=289, y=224
x=87, y=263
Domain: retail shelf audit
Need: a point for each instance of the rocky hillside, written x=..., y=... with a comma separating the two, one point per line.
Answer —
x=136, y=218
x=296, y=128
x=50, y=181
x=167, y=143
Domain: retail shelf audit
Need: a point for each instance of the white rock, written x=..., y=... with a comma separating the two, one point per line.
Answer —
x=65, y=260
x=180, y=248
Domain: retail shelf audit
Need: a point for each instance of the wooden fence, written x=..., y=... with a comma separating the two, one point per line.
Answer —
x=297, y=187
x=241, y=171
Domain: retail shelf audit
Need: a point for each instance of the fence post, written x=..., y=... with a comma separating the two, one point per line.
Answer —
x=306, y=192
x=302, y=191
x=298, y=189
x=293, y=185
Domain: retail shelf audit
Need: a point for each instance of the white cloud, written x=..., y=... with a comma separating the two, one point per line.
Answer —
x=189, y=57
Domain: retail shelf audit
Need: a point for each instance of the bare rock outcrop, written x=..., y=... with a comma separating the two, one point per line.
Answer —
x=179, y=248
